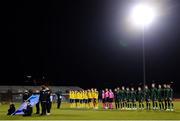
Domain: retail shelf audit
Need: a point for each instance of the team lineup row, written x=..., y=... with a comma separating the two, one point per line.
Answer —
x=160, y=97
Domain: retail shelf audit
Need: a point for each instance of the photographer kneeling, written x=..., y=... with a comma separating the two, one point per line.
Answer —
x=28, y=110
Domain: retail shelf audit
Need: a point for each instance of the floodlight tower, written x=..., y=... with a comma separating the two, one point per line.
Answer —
x=143, y=15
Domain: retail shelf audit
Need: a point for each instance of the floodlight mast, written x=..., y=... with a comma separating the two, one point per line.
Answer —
x=143, y=56
x=143, y=15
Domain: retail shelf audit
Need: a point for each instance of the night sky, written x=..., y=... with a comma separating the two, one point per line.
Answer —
x=88, y=43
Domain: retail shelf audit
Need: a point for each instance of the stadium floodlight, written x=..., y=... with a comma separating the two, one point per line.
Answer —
x=143, y=14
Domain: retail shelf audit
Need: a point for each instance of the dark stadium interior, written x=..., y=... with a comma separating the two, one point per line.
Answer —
x=74, y=42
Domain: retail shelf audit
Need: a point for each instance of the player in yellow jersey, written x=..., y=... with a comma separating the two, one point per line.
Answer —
x=85, y=97
x=93, y=97
x=92, y=94
x=73, y=99
x=90, y=103
x=96, y=94
x=78, y=99
x=81, y=99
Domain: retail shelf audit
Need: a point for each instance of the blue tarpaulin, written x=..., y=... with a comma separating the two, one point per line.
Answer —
x=33, y=100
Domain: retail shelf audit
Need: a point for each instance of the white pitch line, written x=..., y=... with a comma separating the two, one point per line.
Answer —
x=91, y=120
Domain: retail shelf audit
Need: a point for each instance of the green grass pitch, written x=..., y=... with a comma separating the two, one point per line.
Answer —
x=65, y=113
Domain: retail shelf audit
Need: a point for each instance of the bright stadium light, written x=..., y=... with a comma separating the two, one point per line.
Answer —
x=142, y=14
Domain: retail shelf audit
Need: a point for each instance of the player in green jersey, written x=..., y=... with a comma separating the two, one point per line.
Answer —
x=154, y=96
x=165, y=96
x=170, y=98
x=133, y=99
x=140, y=98
x=128, y=98
x=116, y=100
x=123, y=97
x=160, y=97
x=119, y=97
x=147, y=94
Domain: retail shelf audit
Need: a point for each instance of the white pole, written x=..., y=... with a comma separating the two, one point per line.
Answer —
x=143, y=54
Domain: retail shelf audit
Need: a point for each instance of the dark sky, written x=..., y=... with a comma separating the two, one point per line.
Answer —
x=88, y=42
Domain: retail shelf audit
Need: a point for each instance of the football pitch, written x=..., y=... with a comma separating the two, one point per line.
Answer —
x=65, y=113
